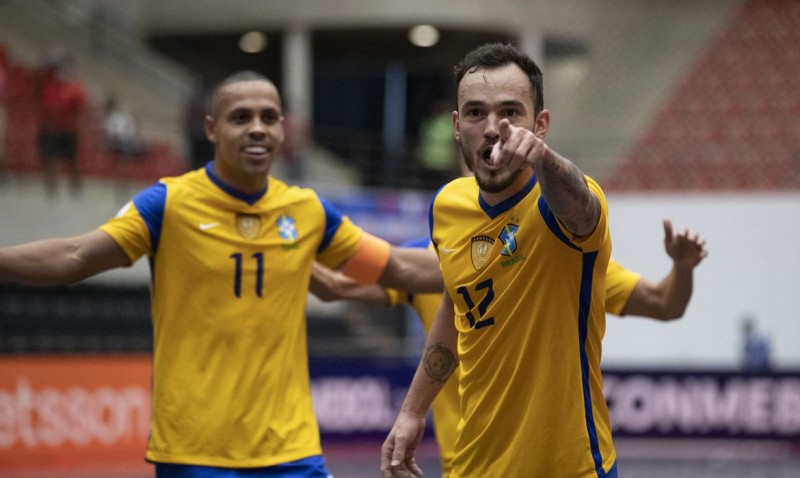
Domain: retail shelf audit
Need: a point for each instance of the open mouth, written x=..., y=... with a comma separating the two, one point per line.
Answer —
x=486, y=154
x=257, y=150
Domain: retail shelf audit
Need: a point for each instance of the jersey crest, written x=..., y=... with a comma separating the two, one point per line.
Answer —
x=248, y=225
x=287, y=228
x=481, y=245
x=509, y=238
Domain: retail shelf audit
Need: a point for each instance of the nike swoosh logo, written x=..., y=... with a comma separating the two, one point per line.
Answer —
x=448, y=251
x=206, y=226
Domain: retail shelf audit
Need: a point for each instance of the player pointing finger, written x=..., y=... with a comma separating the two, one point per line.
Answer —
x=516, y=147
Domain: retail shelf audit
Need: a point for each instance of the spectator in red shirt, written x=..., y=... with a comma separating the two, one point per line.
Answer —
x=4, y=66
x=63, y=103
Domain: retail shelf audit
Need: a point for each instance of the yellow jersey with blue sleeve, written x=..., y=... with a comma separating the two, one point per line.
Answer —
x=529, y=308
x=620, y=283
x=230, y=274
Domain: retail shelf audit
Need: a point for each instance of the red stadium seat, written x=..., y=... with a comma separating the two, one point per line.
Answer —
x=740, y=111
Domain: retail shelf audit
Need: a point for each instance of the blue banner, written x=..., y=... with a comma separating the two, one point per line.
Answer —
x=360, y=398
x=394, y=215
x=703, y=404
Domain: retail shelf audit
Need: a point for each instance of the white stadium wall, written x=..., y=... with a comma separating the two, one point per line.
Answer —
x=753, y=268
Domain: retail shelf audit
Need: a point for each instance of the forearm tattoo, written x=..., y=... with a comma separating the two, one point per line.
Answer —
x=439, y=362
x=568, y=195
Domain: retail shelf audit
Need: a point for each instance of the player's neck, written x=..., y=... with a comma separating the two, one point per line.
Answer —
x=244, y=182
x=494, y=199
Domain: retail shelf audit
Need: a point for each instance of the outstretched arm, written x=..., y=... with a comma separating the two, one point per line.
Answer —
x=414, y=270
x=328, y=285
x=438, y=362
x=564, y=186
x=667, y=299
x=411, y=269
x=61, y=261
x=562, y=182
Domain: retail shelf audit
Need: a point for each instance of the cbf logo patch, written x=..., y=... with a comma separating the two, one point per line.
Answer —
x=286, y=228
x=248, y=225
x=480, y=247
x=509, y=238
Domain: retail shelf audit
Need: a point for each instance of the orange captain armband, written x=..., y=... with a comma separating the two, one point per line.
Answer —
x=369, y=260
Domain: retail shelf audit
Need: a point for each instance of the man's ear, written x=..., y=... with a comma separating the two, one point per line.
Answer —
x=209, y=124
x=542, y=124
x=456, y=132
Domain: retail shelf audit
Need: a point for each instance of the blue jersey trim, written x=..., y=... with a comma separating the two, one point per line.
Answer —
x=311, y=467
x=583, y=326
x=151, y=203
x=612, y=473
x=430, y=216
x=552, y=223
x=333, y=219
x=248, y=198
x=503, y=206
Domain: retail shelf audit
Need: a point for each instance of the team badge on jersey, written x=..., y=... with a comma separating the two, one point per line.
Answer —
x=248, y=225
x=481, y=245
x=287, y=228
x=509, y=238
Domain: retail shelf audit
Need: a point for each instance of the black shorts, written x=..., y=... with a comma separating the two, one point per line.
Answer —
x=58, y=145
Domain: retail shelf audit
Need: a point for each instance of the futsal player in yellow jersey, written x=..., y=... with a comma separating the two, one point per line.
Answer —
x=627, y=293
x=523, y=249
x=231, y=251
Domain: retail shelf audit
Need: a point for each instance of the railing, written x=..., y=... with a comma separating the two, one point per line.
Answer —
x=109, y=36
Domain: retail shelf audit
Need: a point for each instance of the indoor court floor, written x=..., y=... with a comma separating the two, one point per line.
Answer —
x=637, y=459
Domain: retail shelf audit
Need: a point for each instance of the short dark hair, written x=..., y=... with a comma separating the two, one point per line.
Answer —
x=239, y=76
x=493, y=55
